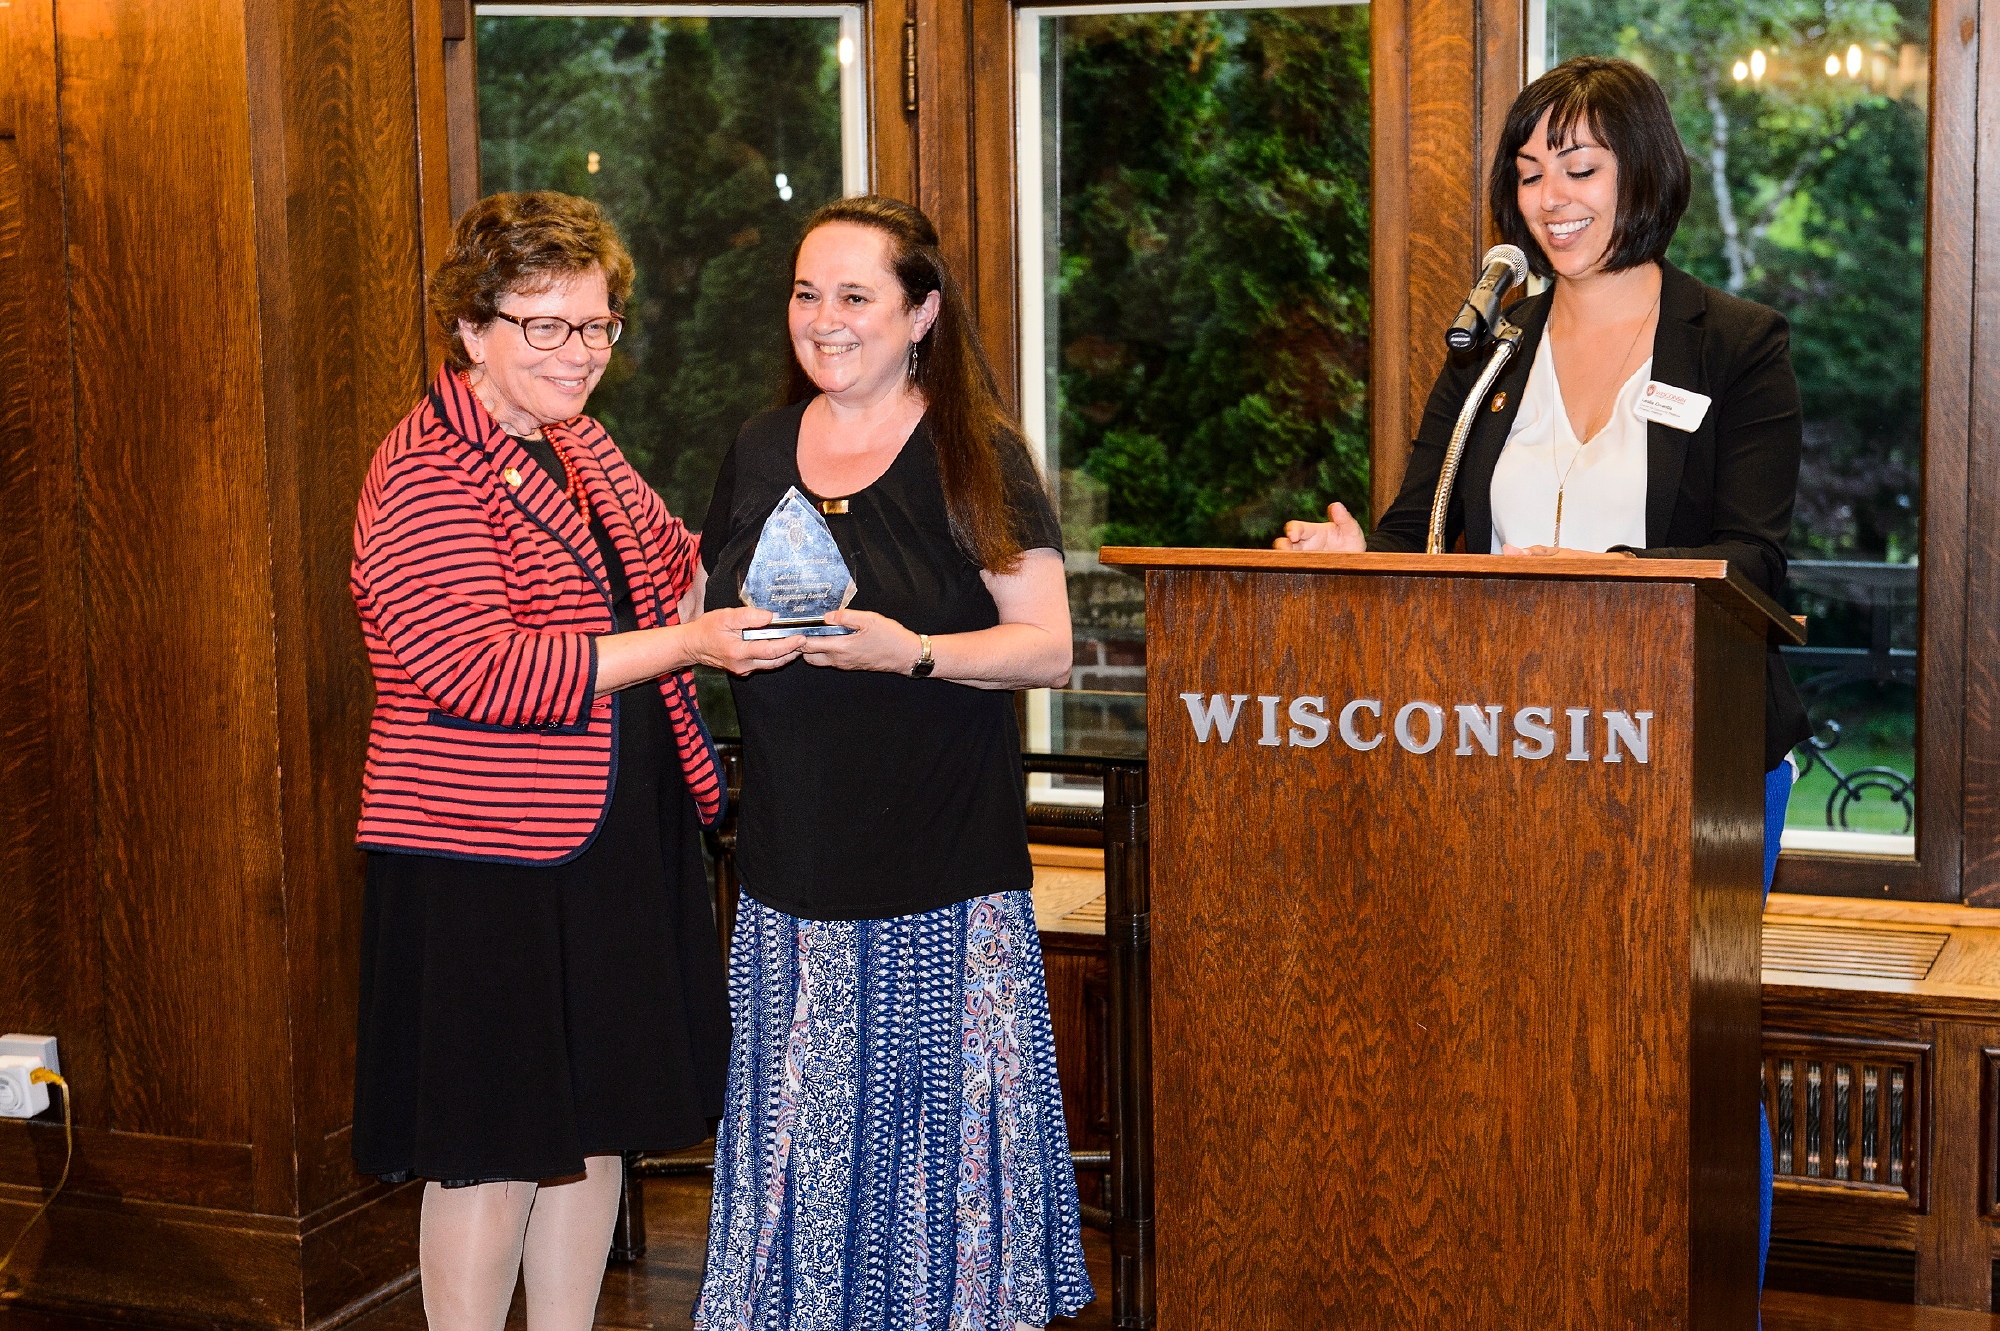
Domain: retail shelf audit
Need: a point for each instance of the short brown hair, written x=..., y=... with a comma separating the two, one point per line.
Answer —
x=1627, y=111
x=522, y=244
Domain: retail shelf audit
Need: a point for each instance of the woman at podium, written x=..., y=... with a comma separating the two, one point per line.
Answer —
x=1650, y=415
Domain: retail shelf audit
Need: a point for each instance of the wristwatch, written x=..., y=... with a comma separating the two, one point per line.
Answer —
x=924, y=664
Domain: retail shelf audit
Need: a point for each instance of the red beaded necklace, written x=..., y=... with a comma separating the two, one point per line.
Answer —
x=575, y=491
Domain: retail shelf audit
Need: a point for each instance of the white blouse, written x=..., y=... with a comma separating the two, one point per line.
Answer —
x=1603, y=482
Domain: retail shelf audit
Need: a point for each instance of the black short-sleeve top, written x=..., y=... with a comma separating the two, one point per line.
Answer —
x=869, y=795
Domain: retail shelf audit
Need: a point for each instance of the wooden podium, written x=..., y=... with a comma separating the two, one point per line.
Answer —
x=1454, y=920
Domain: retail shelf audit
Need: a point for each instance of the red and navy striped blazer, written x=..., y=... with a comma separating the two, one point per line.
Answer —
x=481, y=596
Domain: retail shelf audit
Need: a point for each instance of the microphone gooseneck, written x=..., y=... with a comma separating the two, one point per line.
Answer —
x=1503, y=269
x=1507, y=337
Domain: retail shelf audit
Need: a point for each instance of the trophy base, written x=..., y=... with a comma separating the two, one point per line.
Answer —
x=804, y=628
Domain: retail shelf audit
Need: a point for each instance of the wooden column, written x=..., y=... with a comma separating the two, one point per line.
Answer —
x=1429, y=206
x=212, y=235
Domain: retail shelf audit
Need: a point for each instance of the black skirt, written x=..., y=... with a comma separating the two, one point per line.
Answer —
x=515, y=1019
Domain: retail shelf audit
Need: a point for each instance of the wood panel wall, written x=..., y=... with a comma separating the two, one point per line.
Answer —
x=1945, y=1222
x=45, y=838
x=213, y=226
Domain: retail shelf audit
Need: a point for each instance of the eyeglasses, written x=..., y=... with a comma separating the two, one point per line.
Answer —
x=547, y=333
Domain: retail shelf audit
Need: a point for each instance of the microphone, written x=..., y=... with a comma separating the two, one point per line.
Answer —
x=1503, y=268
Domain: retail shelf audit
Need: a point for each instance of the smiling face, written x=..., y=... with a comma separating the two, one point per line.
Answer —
x=850, y=327
x=526, y=389
x=1568, y=194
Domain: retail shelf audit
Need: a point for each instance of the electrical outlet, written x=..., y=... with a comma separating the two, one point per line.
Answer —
x=21, y=1096
x=32, y=1046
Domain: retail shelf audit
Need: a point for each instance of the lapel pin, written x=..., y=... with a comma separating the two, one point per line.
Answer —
x=1500, y=401
x=833, y=506
x=512, y=477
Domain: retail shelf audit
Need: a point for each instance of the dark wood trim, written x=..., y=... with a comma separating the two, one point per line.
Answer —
x=1503, y=35
x=433, y=121
x=994, y=286
x=1980, y=720
x=1390, y=419
x=181, y=1171
x=1947, y=386
x=1888, y=878
x=188, y=688
x=892, y=131
x=1954, y=1247
x=1989, y=1133
x=1443, y=189
x=948, y=86
x=271, y=82
x=227, y=1269
x=461, y=99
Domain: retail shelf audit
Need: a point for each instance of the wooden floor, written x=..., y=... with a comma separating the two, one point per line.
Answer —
x=657, y=1294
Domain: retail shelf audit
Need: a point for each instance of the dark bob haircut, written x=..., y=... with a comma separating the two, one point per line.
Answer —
x=1627, y=114
x=521, y=245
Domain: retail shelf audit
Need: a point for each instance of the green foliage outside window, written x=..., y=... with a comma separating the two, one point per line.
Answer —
x=688, y=124
x=1210, y=336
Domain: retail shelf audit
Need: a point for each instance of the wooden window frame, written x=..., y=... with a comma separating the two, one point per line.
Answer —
x=1937, y=872
x=450, y=129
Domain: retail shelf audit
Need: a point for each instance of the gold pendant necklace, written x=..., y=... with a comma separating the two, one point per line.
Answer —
x=1562, y=482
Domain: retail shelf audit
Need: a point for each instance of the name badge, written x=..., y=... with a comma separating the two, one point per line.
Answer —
x=1682, y=408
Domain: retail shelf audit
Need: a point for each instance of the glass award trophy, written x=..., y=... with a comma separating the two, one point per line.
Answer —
x=797, y=574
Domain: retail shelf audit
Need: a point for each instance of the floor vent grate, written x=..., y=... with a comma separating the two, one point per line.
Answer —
x=1887, y=954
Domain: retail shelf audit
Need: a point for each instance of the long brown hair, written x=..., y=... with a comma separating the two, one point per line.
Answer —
x=968, y=424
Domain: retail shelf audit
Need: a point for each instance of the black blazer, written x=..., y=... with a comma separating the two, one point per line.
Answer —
x=1723, y=491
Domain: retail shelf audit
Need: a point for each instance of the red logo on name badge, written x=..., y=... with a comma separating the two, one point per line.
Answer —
x=1650, y=388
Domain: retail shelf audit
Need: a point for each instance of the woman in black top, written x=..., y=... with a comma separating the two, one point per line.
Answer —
x=893, y=1151
x=1590, y=179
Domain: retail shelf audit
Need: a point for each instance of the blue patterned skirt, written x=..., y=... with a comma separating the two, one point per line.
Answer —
x=892, y=1155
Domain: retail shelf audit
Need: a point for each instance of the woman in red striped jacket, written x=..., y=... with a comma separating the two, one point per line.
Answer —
x=540, y=986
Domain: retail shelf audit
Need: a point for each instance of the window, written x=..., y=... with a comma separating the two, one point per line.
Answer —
x=1808, y=128
x=709, y=133
x=1193, y=186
